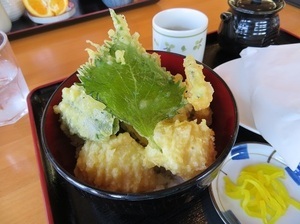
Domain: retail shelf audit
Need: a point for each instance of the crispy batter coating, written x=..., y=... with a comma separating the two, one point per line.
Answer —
x=115, y=165
x=83, y=116
x=199, y=92
x=188, y=113
x=183, y=147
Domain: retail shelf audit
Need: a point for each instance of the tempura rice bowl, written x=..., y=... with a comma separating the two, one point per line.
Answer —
x=61, y=153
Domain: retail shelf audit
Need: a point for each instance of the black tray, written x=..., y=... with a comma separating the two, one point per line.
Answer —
x=63, y=202
x=85, y=10
x=295, y=3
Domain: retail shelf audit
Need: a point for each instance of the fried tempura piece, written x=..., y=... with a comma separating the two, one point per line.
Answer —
x=184, y=114
x=199, y=93
x=203, y=114
x=115, y=165
x=189, y=114
x=83, y=116
x=185, y=148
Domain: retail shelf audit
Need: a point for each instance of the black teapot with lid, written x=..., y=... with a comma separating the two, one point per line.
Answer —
x=249, y=23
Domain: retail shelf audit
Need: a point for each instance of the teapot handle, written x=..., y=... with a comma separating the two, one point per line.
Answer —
x=226, y=16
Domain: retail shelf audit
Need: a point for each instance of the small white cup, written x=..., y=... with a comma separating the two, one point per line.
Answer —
x=5, y=23
x=180, y=30
x=14, y=8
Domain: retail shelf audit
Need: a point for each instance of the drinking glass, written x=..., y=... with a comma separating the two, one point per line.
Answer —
x=13, y=87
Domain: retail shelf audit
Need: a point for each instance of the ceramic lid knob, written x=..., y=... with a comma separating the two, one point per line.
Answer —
x=256, y=6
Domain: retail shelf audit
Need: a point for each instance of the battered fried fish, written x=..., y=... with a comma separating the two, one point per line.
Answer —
x=186, y=148
x=115, y=165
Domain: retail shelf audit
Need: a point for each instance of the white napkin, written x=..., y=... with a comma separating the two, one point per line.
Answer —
x=270, y=78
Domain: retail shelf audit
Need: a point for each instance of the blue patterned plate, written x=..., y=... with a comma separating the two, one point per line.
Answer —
x=243, y=155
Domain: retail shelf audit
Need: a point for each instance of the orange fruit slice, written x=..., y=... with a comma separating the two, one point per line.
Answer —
x=45, y=8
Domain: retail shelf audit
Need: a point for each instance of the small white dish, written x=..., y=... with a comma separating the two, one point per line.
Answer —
x=53, y=19
x=243, y=155
x=229, y=72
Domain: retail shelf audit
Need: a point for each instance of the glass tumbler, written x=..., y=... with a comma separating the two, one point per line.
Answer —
x=13, y=87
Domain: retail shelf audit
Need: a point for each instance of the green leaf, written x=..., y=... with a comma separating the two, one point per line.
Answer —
x=131, y=82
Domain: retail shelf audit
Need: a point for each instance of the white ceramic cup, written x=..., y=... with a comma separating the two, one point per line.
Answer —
x=13, y=87
x=180, y=30
x=14, y=8
x=5, y=23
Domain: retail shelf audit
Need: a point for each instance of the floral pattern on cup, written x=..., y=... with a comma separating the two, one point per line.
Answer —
x=169, y=46
x=180, y=30
x=179, y=47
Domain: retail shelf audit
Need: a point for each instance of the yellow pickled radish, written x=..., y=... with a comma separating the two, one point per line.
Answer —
x=261, y=191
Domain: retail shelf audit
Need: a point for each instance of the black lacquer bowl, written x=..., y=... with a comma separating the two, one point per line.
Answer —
x=61, y=153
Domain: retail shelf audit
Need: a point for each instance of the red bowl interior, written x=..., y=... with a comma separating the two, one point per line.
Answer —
x=225, y=119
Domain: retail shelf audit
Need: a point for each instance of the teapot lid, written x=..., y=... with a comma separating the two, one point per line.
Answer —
x=257, y=6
